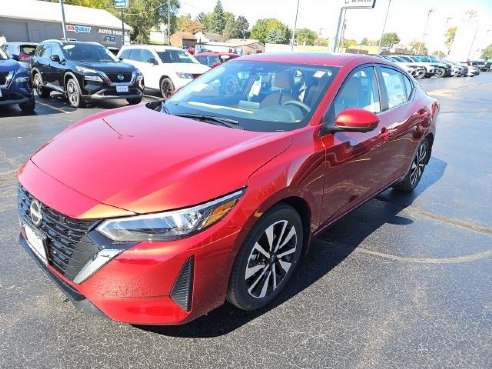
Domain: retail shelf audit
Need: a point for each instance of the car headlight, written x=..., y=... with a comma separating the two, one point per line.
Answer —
x=93, y=78
x=184, y=75
x=169, y=225
x=85, y=70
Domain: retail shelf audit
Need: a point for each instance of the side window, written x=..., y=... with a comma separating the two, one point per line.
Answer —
x=56, y=50
x=45, y=51
x=145, y=55
x=395, y=87
x=125, y=54
x=360, y=90
x=408, y=86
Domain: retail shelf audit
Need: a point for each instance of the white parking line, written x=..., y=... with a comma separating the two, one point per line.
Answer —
x=52, y=107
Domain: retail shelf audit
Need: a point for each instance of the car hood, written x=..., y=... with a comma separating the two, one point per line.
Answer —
x=108, y=67
x=194, y=68
x=9, y=65
x=144, y=161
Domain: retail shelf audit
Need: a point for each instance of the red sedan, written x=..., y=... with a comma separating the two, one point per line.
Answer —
x=214, y=59
x=158, y=213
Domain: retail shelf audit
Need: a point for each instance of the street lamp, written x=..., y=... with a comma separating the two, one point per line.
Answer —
x=384, y=26
x=425, y=29
x=294, y=30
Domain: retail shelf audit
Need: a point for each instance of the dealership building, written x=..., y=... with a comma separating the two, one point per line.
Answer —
x=35, y=21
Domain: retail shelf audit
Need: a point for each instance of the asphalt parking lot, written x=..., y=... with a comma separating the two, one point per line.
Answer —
x=403, y=282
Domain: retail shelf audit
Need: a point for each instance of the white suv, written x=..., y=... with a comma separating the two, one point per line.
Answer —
x=164, y=68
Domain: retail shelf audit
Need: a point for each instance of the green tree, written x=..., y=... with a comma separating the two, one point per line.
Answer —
x=349, y=43
x=231, y=30
x=418, y=47
x=450, y=35
x=320, y=41
x=218, y=19
x=205, y=19
x=186, y=24
x=389, y=39
x=363, y=42
x=305, y=36
x=440, y=54
x=242, y=25
x=272, y=28
x=487, y=53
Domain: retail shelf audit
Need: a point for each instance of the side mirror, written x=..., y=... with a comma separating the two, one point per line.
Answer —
x=55, y=58
x=15, y=57
x=216, y=64
x=353, y=120
x=152, y=61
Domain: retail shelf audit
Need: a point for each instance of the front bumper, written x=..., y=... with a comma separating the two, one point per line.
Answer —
x=16, y=93
x=139, y=285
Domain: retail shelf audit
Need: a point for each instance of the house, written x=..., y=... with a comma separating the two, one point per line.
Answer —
x=238, y=46
x=183, y=39
x=206, y=37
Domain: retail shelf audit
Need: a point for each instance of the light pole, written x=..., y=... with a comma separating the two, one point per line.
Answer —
x=168, y=22
x=294, y=30
x=63, y=20
x=425, y=29
x=384, y=26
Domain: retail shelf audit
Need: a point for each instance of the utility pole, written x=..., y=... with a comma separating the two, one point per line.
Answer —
x=294, y=30
x=122, y=28
x=384, y=26
x=168, y=22
x=63, y=20
x=337, y=36
x=425, y=29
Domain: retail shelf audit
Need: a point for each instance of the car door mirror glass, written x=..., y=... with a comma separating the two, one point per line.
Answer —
x=152, y=61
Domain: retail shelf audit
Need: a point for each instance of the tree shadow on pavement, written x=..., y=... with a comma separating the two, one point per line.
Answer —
x=328, y=250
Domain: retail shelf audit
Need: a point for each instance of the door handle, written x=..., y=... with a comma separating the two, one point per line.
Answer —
x=385, y=134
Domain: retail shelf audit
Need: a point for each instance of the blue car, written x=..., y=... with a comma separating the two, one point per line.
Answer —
x=15, y=84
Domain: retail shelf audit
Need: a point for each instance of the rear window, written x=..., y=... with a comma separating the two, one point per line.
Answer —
x=175, y=56
x=28, y=49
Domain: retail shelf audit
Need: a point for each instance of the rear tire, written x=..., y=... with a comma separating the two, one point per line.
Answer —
x=441, y=72
x=414, y=175
x=267, y=259
x=42, y=92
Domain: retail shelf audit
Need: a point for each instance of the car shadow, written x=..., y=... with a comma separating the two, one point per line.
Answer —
x=327, y=251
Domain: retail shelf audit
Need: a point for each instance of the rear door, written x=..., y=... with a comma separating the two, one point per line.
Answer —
x=400, y=118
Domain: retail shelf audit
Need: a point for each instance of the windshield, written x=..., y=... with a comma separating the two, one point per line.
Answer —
x=89, y=53
x=260, y=96
x=3, y=56
x=175, y=56
x=208, y=59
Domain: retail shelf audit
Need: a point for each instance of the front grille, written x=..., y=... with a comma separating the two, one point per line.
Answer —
x=127, y=77
x=68, y=246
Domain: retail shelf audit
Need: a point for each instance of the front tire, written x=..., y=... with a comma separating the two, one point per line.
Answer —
x=441, y=72
x=167, y=88
x=42, y=92
x=73, y=94
x=267, y=259
x=414, y=175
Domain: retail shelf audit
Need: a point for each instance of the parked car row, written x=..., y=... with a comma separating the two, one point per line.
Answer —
x=424, y=66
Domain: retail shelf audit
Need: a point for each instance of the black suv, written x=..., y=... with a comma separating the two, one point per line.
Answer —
x=84, y=71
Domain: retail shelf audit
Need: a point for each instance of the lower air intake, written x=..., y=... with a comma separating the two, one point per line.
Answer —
x=183, y=287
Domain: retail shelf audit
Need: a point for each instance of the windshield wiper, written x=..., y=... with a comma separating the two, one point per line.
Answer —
x=231, y=123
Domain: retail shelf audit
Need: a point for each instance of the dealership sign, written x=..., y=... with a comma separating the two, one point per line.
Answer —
x=359, y=4
x=78, y=29
x=121, y=4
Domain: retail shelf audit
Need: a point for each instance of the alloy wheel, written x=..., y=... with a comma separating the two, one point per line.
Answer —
x=271, y=259
x=418, y=164
x=73, y=93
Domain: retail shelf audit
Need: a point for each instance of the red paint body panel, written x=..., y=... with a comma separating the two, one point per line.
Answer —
x=135, y=160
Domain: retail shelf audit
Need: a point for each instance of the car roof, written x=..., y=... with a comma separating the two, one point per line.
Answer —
x=336, y=60
x=64, y=42
x=17, y=43
x=153, y=47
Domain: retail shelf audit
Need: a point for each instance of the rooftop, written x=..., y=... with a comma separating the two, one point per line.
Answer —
x=51, y=12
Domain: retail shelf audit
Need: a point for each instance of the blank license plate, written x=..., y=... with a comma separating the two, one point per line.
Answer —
x=120, y=89
x=36, y=243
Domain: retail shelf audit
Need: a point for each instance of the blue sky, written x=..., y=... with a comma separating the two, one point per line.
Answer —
x=406, y=17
